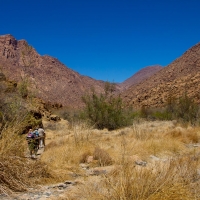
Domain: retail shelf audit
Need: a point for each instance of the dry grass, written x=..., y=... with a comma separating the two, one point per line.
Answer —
x=84, y=157
x=102, y=156
x=75, y=143
x=189, y=135
x=18, y=173
x=174, y=176
x=176, y=179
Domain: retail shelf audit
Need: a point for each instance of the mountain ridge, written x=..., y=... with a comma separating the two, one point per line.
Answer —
x=51, y=79
x=54, y=82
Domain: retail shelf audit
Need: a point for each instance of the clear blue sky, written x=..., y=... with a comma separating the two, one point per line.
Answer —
x=105, y=39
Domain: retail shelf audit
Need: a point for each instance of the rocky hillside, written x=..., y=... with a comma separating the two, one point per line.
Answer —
x=46, y=76
x=140, y=76
x=182, y=75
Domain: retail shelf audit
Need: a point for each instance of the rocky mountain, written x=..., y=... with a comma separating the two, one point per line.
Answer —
x=53, y=82
x=140, y=76
x=182, y=75
x=46, y=76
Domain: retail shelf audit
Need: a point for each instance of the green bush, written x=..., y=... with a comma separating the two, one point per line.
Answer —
x=144, y=112
x=187, y=110
x=105, y=110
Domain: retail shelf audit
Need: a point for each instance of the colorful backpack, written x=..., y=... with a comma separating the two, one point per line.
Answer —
x=30, y=135
x=36, y=133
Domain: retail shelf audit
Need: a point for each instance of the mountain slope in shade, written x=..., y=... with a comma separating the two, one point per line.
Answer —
x=182, y=75
x=48, y=78
x=140, y=76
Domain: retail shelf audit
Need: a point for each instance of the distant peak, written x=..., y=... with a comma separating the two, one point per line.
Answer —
x=141, y=75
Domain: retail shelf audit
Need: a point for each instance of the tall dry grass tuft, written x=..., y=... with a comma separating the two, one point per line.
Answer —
x=102, y=156
x=11, y=151
x=81, y=132
x=173, y=180
x=11, y=175
x=11, y=143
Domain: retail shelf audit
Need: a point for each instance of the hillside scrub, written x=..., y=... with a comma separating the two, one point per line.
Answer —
x=183, y=109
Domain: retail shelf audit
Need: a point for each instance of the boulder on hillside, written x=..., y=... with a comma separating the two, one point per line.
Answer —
x=54, y=118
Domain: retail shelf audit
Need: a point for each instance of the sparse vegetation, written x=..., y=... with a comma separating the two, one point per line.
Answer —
x=172, y=176
x=183, y=109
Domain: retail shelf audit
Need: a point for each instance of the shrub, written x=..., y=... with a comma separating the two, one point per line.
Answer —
x=144, y=112
x=105, y=110
x=187, y=109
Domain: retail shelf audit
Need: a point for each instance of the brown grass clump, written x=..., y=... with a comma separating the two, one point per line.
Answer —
x=11, y=176
x=84, y=156
x=102, y=156
x=19, y=174
x=190, y=135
